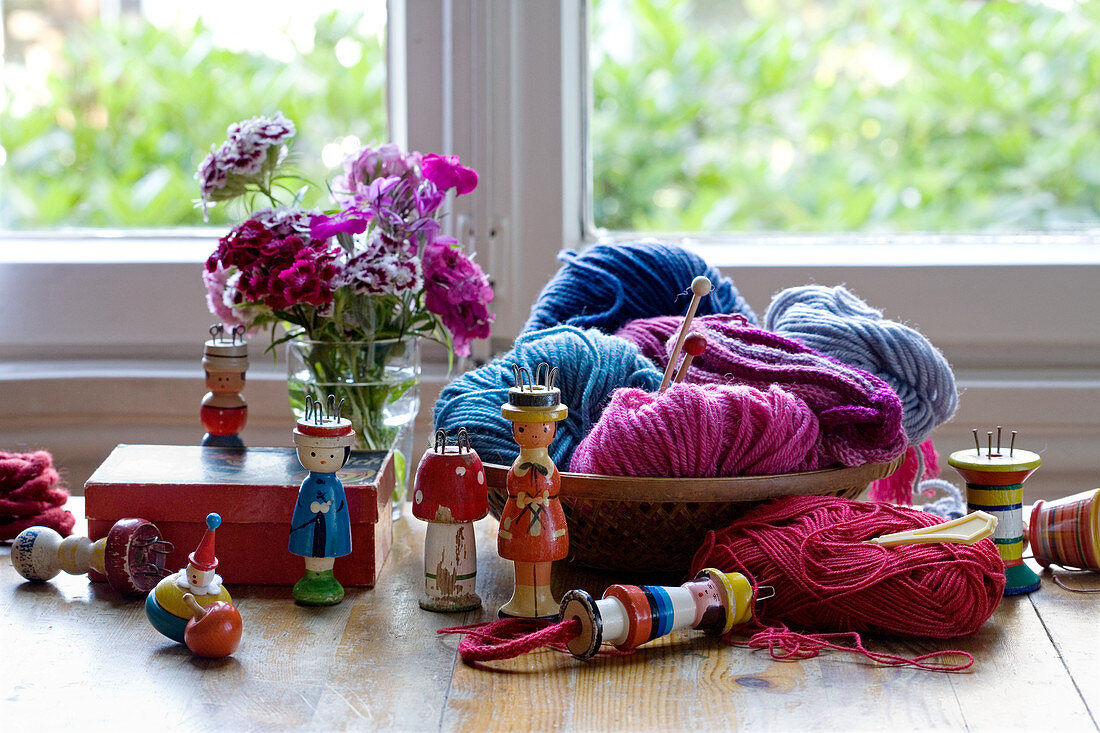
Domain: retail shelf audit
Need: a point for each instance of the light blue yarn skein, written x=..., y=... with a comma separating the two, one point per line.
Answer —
x=839, y=324
x=591, y=365
x=609, y=284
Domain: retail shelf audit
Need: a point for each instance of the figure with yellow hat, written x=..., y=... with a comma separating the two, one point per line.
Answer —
x=533, y=530
x=320, y=528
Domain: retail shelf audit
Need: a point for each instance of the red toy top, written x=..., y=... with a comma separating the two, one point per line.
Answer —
x=450, y=483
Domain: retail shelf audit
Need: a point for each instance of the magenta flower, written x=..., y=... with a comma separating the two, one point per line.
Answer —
x=446, y=173
x=457, y=290
x=377, y=266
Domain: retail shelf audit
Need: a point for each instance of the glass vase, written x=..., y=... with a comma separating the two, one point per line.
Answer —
x=379, y=382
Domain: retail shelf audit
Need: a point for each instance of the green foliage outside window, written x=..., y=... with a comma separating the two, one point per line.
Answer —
x=133, y=110
x=846, y=115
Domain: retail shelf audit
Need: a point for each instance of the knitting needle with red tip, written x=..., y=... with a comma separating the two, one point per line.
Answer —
x=694, y=345
x=700, y=286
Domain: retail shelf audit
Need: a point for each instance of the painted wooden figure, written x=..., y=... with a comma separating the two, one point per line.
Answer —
x=995, y=484
x=165, y=606
x=320, y=528
x=132, y=555
x=630, y=615
x=450, y=494
x=223, y=411
x=533, y=531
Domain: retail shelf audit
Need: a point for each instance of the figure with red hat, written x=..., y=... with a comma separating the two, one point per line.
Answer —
x=199, y=577
x=320, y=529
x=165, y=605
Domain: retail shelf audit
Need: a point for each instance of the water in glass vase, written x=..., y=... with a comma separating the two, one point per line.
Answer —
x=379, y=383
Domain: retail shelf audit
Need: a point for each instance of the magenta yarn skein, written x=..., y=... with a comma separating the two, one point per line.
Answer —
x=700, y=431
x=860, y=415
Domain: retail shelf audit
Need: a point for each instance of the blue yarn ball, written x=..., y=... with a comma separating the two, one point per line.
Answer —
x=839, y=324
x=610, y=284
x=591, y=365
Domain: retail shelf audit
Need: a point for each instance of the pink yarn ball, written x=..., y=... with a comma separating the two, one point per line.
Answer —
x=701, y=431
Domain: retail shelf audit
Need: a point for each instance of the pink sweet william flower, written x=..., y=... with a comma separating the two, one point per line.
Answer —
x=446, y=173
x=222, y=297
x=457, y=290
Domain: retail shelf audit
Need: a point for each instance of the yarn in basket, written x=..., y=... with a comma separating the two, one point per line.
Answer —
x=610, y=284
x=839, y=324
x=700, y=431
x=591, y=366
x=860, y=416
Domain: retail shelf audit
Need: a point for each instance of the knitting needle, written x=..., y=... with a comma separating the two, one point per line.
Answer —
x=694, y=345
x=700, y=286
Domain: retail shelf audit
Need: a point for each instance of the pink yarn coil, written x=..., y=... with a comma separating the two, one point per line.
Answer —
x=860, y=415
x=700, y=431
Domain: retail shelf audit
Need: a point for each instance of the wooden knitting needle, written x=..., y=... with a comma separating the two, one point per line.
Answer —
x=700, y=286
x=694, y=345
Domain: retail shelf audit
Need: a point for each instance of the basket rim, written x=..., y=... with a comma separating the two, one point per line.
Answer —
x=722, y=489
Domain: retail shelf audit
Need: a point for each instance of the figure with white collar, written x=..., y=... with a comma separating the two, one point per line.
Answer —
x=320, y=529
x=199, y=578
x=165, y=605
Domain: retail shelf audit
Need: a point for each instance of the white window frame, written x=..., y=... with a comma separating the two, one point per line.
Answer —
x=502, y=83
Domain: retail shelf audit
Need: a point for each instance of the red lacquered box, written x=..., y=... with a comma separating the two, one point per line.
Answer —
x=254, y=491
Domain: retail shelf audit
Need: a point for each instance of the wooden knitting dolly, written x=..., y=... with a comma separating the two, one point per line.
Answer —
x=995, y=484
x=700, y=286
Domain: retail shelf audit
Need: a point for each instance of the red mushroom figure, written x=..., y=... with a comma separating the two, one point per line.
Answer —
x=450, y=494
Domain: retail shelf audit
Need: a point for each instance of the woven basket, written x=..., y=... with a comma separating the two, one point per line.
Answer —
x=629, y=524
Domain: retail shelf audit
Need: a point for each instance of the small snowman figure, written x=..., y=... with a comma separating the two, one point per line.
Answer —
x=165, y=606
x=199, y=577
x=320, y=529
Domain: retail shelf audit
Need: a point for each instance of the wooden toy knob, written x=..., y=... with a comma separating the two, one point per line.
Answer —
x=695, y=344
x=34, y=553
x=701, y=285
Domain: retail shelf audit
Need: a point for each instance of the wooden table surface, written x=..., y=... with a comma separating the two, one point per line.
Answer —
x=78, y=656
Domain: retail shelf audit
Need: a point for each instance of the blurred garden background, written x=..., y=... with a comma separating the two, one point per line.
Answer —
x=707, y=115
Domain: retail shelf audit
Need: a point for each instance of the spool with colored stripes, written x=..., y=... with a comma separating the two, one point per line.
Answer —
x=995, y=484
x=630, y=615
x=1066, y=532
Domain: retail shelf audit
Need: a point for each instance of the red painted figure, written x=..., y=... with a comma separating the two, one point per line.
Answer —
x=533, y=530
x=223, y=410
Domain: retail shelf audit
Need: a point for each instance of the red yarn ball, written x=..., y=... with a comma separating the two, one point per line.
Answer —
x=812, y=551
x=30, y=495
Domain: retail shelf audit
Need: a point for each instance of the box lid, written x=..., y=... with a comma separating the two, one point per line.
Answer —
x=252, y=484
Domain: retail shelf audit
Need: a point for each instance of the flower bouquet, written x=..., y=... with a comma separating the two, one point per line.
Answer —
x=355, y=287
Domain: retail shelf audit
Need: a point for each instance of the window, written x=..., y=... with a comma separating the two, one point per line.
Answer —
x=107, y=111
x=844, y=116
x=505, y=85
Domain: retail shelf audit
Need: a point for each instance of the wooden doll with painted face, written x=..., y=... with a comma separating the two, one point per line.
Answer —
x=533, y=530
x=320, y=529
x=224, y=412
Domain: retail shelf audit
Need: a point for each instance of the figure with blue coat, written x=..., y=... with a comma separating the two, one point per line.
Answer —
x=320, y=529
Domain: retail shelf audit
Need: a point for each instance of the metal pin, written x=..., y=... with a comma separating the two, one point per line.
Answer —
x=998, y=440
x=977, y=445
x=989, y=444
x=1012, y=445
x=769, y=589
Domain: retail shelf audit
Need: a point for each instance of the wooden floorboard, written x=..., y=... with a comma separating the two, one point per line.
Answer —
x=77, y=656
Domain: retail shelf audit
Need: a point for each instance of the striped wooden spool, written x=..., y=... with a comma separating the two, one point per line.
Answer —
x=995, y=484
x=1066, y=532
